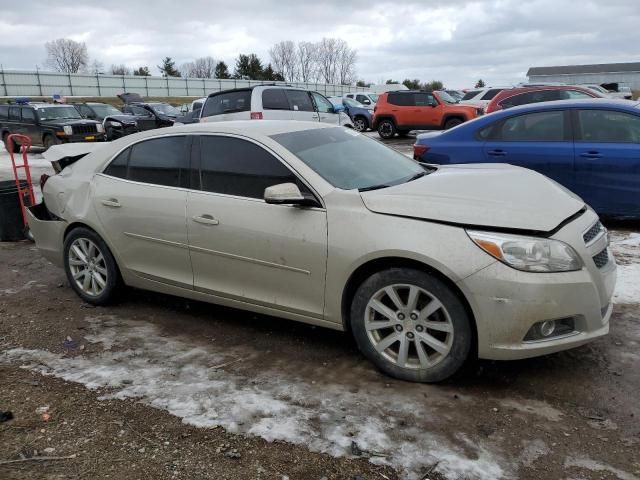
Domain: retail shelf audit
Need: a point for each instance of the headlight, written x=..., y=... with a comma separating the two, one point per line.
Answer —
x=67, y=130
x=99, y=128
x=529, y=254
x=112, y=123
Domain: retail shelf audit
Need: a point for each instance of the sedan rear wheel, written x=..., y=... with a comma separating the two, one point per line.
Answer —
x=411, y=325
x=90, y=267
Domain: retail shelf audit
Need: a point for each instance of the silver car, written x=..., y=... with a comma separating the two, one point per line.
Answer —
x=425, y=266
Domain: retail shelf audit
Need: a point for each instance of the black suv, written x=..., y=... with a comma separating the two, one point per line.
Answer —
x=116, y=124
x=48, y=124
x=149, y=115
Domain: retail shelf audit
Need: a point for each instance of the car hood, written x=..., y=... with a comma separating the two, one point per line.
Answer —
x=121, y=118
x=69, y=121
x=481, y=195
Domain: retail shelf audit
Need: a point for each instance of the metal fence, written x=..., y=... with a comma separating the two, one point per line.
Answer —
x=34, y=83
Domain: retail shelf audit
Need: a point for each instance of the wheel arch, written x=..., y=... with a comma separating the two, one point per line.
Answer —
x=452, y=116
x=364, y=271
x=386, y=116
x=81, y=224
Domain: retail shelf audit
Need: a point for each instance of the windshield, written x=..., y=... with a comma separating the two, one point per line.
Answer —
x=105, y=110
x=445, y=97
x=348, y=160
x=165, y=108
x=57, y=112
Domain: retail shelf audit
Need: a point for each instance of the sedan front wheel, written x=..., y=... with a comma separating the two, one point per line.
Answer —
x=411, y=325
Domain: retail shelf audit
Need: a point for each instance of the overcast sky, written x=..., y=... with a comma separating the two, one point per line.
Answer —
x=455, y=41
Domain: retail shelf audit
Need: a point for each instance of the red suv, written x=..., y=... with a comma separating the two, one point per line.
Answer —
x=405, y=110
x=523, y=95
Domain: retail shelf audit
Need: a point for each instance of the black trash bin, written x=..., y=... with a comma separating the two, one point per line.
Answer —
x=11, y=223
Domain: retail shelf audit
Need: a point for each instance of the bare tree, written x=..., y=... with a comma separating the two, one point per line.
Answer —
x=327, y=59
x=121, y=69
x=96, y=67
x=283, y=58
x=307, y=58
x=66, y=55
x=204, y=67
x=346, y=63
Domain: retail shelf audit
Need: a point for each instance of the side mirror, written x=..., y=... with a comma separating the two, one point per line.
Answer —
x=286, y=194
x=366, y=101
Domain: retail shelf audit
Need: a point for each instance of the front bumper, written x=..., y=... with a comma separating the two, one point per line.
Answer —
x=506, y=302
x=89, y=137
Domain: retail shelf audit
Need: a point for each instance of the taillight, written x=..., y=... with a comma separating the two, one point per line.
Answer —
x=256, y=115
x=419, y=150
x=43, y=179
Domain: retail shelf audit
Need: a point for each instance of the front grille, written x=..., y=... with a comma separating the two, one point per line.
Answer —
x=84, y=129
x=593, y=232
x=601, y=259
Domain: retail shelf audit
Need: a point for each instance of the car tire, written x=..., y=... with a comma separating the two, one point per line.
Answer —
x=386, y=128
x=49, y=141
x=360, y=124
x=91, y=269
x=398, y=311
x=452, y=122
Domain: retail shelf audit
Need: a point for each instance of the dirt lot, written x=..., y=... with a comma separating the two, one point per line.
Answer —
x=160, y=387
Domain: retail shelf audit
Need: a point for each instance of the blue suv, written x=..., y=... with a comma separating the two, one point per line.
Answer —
x=361, y=115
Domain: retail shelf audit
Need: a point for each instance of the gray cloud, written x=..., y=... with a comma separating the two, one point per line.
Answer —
x=456, y=41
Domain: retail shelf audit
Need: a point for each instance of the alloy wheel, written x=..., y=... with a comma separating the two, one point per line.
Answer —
x=88, y=267
x=359, y=124
x=409, y=326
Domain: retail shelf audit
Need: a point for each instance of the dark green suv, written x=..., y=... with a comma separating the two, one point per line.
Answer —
x=48, y=124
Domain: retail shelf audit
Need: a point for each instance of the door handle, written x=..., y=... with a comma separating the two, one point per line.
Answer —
x=591, y=154
x=497, y=153
x=112, y=202
x=205, y=220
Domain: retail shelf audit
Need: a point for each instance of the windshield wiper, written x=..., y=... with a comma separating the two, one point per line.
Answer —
x=373, y=187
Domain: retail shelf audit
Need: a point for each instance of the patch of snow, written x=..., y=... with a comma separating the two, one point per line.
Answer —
x=534, y=407
x=177, y=374
x=628, y=284
x=588, y=464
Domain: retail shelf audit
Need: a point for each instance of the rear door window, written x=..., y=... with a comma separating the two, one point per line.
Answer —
x=323, y=105
x=424, y=99
x=233, y=166
x=300, y=100
x=401, y=99
x=533, y=127
x=607, y=126
x=491, y=93
x=118, y=166
x=275, y=99
x=470, y=95
x=363, y=99
x=14, y=113
x=160, y=161
x=227, y=102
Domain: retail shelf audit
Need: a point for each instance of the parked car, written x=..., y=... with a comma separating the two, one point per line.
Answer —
x=456, y=94
x=524, y=95
x=271, y=102
x=192, y=113
x=592, y=147
x=47, y=124
x=312, y=222
x=115, y=123
x=617, y=90
x=361, y=115
x=365, y=98
x=406, y=110
x=480, y=97
x=149, y=115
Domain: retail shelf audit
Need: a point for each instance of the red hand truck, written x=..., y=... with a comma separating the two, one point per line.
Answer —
x=23, y=184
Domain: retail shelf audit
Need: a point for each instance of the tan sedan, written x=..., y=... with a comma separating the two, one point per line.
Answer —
x=424, y=266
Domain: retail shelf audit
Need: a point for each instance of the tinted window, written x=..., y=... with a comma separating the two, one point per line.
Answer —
x=491, y=93
x=237, y=167
x=470, y=95
x=118, y=166
x=401, y=99
x=227, y=102
x=347, y=159
x=424, y=99
x=140, y=111
x=161, y=161
x=4, y=112
x=608, y=126
x=363, y=99
x=532, y=97
x=299, y=100
x=274, y=99
x=14, y=113
x=84, y=110
x=533, y=127
x=324, y=105
x=28, y=115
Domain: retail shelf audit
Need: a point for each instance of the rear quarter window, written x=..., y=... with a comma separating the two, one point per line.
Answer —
x=274, y=99
x=227, y=102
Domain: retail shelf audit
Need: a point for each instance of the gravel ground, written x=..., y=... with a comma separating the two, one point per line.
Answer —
x=161, y=387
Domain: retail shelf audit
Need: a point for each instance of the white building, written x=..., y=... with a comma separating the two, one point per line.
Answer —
x=627, y=74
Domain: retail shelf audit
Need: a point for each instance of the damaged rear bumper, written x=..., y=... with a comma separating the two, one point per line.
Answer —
x=48, y=232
